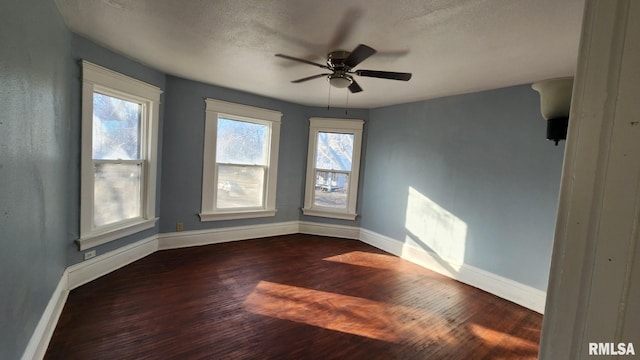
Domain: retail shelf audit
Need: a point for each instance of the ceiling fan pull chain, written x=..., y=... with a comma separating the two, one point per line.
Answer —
x=329, y=98
x=346, y=107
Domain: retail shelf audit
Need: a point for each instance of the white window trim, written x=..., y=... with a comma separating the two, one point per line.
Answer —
x=346, y=126
x=97, y=78
x=214, y=109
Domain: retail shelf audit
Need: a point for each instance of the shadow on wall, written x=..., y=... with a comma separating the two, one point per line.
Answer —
x=432, y=228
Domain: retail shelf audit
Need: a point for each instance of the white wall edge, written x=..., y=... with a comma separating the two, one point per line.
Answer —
x=182, y=239
x=508, y=289
x=41, y=336
x=86, y=271
x=341, y=231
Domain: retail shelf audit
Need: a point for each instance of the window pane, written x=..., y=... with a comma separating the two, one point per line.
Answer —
x=241, y=142
x=334, y=151
x=240, y=186
x=331, y=189
x=116, y=128
x=117, y=193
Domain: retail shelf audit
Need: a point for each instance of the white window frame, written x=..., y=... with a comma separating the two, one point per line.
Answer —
x=221, y=109
x=96, y=78
x=332, y=125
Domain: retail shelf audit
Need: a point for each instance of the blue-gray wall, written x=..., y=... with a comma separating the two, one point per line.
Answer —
x=36, y=170
x=184, y=140
x=483, y=159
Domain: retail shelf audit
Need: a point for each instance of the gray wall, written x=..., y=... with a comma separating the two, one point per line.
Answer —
x=483, y=160
x=184, y=140
x=36, y=174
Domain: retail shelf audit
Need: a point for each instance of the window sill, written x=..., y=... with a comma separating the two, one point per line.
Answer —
x=329, y=214
x=236, y=215
x=93, y=239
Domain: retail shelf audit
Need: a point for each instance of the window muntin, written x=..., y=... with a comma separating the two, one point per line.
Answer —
x=118, y=155
x=333, y=167
x=240, y=161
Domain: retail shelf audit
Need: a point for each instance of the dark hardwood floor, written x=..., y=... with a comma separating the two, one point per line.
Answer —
x=288, y=297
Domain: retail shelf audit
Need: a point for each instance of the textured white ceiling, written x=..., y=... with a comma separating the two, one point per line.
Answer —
x=450, y=46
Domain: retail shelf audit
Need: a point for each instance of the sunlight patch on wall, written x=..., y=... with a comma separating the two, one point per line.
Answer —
x=347, y=314
x=433, y=228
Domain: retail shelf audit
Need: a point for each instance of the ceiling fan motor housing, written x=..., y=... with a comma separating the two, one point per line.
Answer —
x=339, y=78
x=335, y=59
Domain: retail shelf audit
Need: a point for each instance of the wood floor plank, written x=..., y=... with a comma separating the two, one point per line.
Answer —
x=288, y=297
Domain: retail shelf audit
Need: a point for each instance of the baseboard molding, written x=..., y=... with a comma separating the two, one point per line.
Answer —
x=41, y=336
x=86, y=271
x=340, y=231
x=500, y=286
x=215, y=236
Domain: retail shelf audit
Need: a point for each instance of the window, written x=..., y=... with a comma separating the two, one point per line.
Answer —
x=240, y=161
x=333, y=165
x=118, y=156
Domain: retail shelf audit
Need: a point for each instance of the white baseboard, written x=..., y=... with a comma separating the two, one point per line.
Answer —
x=101, y=265
x=500, y=286
x=340, y=231
x=41, y=336
x=381, y=242
x=215, y=236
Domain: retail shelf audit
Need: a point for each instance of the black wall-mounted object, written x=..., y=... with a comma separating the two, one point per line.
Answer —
x=557, y=129
x=555, y=105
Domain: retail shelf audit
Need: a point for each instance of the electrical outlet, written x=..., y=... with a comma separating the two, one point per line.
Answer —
x=179, y=226
x=89, y=254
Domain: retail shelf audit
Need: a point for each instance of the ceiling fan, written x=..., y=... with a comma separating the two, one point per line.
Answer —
x=342, y=63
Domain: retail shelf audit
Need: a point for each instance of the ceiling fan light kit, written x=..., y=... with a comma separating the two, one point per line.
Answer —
x=340, y=81
x=341, y=63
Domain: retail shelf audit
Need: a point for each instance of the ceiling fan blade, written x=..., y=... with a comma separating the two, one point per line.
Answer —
x=310, y=78
x=358, y=55
x=385, y=74
x=354, y=87
x=302, y=60
x=345, y=28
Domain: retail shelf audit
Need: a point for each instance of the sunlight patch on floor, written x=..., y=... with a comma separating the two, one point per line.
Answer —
x=493, y=339
x=347, y=314
x=378, y=261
